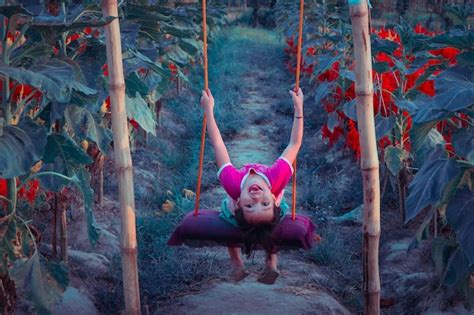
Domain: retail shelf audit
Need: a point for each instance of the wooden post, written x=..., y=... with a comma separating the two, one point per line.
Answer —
x=369, y=160
x=123, y=159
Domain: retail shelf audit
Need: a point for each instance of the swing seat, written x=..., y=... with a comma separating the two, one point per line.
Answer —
x=207, y=229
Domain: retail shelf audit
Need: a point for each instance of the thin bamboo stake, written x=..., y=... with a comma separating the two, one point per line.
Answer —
x=369, y=160
x=123, y=159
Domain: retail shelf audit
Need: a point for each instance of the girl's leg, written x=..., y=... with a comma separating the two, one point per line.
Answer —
x=235, y=259
x=271, y=260
x=238, y=265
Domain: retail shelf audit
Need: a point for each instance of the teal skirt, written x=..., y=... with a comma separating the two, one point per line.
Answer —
x=227, y=215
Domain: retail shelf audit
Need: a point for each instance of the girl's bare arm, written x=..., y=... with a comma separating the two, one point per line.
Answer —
x=220, y=150
x=296, y=138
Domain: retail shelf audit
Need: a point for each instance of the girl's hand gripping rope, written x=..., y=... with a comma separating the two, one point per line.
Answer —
x=298, y=102
x=207, y=101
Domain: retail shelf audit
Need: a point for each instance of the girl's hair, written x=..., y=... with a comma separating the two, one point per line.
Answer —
x=255, y=234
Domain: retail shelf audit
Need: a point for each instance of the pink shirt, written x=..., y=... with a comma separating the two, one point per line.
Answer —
x=276, y=176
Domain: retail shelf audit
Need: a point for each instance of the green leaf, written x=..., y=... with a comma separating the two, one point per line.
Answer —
x=138, y=110
x=463, y=143
x=133, y=84
x=463, y=40
x=394, y=158
x=33, y=277
x=460, y=216
x=382, y=45
x=441, y=250
x=457, y=269
x=405, y=104
x=424, y=138
x=17, y=152
x=381, y=67
x=350, y=109
x=93, y=229
x=383, y=125
x=62, y=146
x=55, y=79
x=158, y=68
x=460, y=95
x=428, y=185
x=9, y=10
x=421, y=231
x=323, y=90
x=86, y=127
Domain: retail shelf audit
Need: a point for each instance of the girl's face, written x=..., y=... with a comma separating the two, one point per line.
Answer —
x=256, y=200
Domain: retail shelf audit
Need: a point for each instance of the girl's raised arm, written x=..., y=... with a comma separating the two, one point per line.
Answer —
x=220, y=150
x=296, y=138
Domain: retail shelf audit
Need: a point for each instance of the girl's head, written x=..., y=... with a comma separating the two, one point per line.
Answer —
x=256, y=201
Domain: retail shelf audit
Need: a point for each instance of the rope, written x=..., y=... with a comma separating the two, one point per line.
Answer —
x=203, y=130
x=298, y=65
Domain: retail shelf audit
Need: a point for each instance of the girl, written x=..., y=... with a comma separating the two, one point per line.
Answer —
x=255, y=192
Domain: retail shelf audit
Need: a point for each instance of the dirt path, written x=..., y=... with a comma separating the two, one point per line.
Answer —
x=294, y=292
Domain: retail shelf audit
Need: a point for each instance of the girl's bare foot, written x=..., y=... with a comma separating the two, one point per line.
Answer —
x=269, y=276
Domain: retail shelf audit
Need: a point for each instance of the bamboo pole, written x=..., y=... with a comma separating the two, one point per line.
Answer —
x=369, y=160
x=123, y=159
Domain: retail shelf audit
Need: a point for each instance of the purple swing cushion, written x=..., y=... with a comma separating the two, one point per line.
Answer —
x=207, y=229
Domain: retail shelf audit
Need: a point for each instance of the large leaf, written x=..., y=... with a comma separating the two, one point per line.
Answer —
x=86, y=127
x=407, y=105
x=394, y=158
x=350, y=109
x=382, y=45
x=53, y=78
x=458, y=95
x=17, y=152
x=9, y=10
x=428, y=185
x=138, y=110
x=463, y=40
x=424, y=138
x=383, y=125
x=93, y=229
x=460, y=215
x=62, y=146
x=457, y=269
x=463, y=143
x=133, y=84
x=41, y=286
x=322, y=92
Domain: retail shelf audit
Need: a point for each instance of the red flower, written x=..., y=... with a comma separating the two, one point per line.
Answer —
x=421, y=30
x=72, y=38
x=331, y=74
x=23, y=90
x=87, y=30
x=107, y=103
x=428, y=88
x=449, y=53
x=331, y=136
x=352, y=138
x=384, y=142
x=311, y=51
x=105, y=69
x=3, y=187
x=134, y=124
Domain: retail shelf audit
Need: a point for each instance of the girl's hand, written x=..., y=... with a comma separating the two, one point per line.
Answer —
x=297, y=101
x=207, y=101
